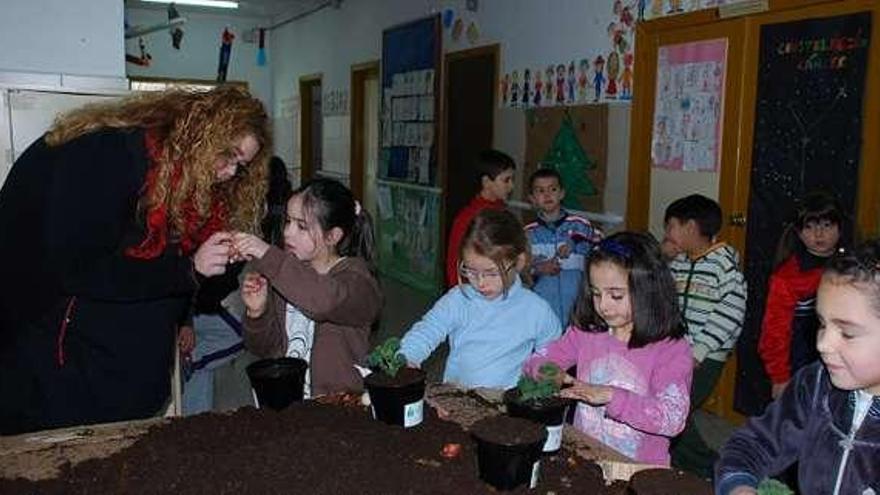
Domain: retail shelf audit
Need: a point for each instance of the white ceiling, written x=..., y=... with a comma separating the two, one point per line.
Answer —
x=276, y=10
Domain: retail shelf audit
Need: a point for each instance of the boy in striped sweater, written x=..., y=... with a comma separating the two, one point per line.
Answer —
x=712, y=296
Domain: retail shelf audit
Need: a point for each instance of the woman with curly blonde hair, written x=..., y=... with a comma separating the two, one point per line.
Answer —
x=109, y=223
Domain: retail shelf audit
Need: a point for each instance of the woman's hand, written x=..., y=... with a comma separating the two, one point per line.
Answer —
x=594, y=395
x=213, y=255
x=248, y=246
x=255, y=294
x=186, y=339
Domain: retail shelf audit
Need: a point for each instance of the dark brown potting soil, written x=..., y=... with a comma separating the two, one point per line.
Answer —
x=507, y=430
x=668, y=482
x=308, y=448
x=404, y=377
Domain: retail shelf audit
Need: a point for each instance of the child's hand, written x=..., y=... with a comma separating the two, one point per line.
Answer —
x=563, y=251
x=670, y=249
x=777, y=389
x=594, y=395
x=549, y=267
x=213, y=255
x=248, y=246
x=255, y=294
x=743, y=490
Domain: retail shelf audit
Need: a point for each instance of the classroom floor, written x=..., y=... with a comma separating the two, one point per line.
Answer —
x=403, y=307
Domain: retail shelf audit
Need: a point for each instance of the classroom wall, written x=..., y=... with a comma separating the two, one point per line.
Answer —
x=62, y=37
x=200, y=50
x=530, y=34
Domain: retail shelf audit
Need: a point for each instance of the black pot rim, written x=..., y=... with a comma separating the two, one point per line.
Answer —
x=370, y=382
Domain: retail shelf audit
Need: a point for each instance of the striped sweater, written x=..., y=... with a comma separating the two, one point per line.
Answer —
x=712, y=295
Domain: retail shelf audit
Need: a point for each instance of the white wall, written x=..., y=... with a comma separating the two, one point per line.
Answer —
x=531, y=33
x=62, y=36
x=200, y=50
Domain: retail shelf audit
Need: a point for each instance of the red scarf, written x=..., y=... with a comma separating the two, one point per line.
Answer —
x=196, y=229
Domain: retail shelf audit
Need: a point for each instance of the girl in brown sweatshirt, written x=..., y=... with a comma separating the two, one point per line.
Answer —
x=317, y=298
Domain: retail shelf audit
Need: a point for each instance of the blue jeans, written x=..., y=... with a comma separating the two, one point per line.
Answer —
x=217, y=343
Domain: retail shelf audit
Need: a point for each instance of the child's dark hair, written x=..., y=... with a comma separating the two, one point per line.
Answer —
x=814, y=207
x=491, y=163
x=859, y=266
x=331, y=204
x=705, y=212
x=499, y=236
x=652, y=293
x=544, y=173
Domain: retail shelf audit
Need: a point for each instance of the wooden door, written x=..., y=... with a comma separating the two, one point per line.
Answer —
x=817, y=131
x=310, y=126
x=363, y=119
x=651, y=189
x=471, y=82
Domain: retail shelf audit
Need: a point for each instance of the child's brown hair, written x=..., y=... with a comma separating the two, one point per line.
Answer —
x=499, y=236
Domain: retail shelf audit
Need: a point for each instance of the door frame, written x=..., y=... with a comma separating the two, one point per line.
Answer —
x=359, y=73
x=306, y=165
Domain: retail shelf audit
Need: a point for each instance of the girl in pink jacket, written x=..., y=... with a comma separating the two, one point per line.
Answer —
x=626, y=340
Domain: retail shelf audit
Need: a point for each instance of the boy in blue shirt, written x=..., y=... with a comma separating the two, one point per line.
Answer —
x=560, y=243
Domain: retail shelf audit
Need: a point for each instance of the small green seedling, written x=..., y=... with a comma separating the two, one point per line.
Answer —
x=773, y=487
x=387, y=357
x=546, y=385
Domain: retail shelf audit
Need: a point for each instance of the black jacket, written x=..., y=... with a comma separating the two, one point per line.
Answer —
x=86, y=332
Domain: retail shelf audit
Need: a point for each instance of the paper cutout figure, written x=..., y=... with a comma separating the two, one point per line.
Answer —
x=613, y=72
x=526, y=88
x=548, y=85
x=539, y=88
x=572, y=83
x=598, y=77
x=560, y=84
x=505, y=89
x=626, y=78
x=514, y=89
x=583, y=68
x=448, y=17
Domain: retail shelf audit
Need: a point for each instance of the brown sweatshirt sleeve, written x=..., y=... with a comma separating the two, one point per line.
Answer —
x=265, y=336
x=349, y=295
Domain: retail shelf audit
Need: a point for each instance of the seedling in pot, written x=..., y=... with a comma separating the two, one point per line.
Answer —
x=546, y=385
x=387, y=357
x=773, y=487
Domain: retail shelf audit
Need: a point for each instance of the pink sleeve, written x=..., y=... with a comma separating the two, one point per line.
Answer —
x=563, y=352
x=664, y=409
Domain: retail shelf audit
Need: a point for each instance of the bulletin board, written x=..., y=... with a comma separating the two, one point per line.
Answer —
x=573, y=141
x=409, y=222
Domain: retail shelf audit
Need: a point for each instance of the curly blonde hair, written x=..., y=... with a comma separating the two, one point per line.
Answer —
x=198, y=128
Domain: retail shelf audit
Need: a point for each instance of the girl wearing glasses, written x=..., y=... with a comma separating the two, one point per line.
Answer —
x=493, y=323
x=633, y=365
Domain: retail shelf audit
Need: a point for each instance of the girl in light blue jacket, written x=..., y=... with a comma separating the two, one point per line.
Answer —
x=492, y=321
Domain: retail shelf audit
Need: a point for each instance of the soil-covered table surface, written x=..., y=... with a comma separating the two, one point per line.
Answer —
x=307, y=448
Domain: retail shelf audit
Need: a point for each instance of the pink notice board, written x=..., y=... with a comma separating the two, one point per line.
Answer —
x=689, y=106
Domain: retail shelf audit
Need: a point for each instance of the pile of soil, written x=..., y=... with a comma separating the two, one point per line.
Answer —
x=308, y=448
x=668, y=482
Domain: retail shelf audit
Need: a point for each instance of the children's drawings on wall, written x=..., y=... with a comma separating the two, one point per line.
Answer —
x=408, y=125
x=689, y=102
x=652, y=9
x=589, y=78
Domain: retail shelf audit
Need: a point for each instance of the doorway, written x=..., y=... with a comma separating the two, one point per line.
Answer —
x=471, y=82
x=310, y=129
x=364, y=133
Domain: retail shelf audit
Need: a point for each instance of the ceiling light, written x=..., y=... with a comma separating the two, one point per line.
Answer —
x=220, y=4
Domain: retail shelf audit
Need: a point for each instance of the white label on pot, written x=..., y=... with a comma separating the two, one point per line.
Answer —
x=554, y=438
x=534, y=481
x=412, y=413
x=373, y=410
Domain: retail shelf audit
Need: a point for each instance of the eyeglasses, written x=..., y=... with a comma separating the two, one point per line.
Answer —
x=479, y=276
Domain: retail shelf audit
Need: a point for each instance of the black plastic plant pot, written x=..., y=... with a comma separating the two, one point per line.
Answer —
x=508, y=451
x=549, y=412
x=278, y=382
x=397, y=400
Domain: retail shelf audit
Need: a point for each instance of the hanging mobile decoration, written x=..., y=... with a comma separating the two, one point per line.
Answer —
x=261, y=51
x=225, y=53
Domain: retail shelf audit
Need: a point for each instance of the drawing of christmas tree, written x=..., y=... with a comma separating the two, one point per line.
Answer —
x=571, y=161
